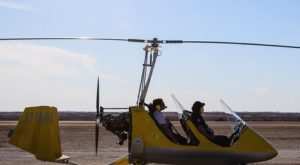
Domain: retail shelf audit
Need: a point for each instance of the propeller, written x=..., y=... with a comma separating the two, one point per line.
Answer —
x=97, y=117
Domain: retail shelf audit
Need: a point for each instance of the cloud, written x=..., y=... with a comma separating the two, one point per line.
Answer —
x=15, y=6
x=34, y=74
x=19, y=59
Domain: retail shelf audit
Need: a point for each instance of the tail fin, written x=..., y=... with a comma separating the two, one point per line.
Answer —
x=37, y=132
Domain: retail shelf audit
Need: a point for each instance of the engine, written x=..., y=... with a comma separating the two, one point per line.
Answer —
x=118, y=124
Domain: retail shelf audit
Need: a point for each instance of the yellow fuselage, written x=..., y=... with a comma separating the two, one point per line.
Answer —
x=149, y=144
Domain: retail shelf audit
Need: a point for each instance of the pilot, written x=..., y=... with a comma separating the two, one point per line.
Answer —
x=155, y=110
x=198, y=120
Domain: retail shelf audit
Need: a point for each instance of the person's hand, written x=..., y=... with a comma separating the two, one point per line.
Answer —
x=211, y=131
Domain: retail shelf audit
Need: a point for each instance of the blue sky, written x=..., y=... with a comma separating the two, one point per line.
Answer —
x=64, y=73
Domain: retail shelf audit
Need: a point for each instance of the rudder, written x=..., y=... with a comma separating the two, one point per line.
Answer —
x=37, y=132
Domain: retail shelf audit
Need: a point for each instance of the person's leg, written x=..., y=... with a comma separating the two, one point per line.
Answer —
x=222, y=140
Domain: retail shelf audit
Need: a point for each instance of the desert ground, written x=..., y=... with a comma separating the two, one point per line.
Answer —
x=78, y=142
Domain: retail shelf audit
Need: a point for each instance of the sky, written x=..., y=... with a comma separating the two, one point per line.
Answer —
x=64, y=73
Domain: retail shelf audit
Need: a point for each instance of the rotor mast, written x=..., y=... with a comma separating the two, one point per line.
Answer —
x=151, y=54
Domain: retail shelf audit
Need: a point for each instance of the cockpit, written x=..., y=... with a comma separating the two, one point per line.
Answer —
x=232, y=126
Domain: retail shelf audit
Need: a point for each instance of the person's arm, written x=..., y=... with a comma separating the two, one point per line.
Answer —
x=200, y=124
x=167, y=132
x=204, y=132
x=164, y=125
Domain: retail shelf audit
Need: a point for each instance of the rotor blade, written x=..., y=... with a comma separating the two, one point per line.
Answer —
x=154, y=40
x=61, y=38
x=242, y=43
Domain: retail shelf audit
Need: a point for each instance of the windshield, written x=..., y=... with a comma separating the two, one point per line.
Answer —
x=223, y=121
x=179, y=107
x=231, y=115
x=235, y=123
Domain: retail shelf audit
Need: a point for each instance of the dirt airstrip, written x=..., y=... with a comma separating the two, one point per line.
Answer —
x=77, y=139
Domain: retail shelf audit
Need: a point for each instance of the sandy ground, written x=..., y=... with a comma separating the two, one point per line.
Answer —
x=78, y=143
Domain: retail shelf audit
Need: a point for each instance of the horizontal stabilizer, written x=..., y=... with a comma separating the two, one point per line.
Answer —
x=63, y=159
x=121, y=161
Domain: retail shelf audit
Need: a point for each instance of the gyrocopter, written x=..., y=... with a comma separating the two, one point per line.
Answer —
x=148, y=145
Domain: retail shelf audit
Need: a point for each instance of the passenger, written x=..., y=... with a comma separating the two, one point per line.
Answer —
x=155, y=110
x=198, y=120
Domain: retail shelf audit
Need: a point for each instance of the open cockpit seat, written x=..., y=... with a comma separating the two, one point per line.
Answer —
x=186, y=115
x=192, y=140
x=180, y=139
x=220, y=140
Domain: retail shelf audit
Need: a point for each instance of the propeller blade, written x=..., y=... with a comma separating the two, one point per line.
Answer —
x=101, y=114
x=97, y=99
x=97, y=135
x=97, y=117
